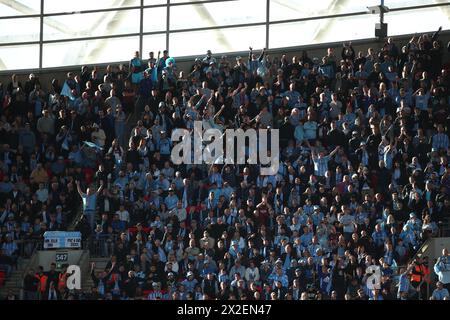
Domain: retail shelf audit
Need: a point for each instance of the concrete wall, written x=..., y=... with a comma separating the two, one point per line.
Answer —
x=437, y=245
x=47, y=75
x=46, y=257
x=433, y=249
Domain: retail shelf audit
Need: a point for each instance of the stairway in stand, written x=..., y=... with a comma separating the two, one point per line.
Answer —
x=14, y=282
x=86, y=281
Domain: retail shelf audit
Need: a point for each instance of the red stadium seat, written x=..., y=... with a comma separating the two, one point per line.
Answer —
x=2, y=278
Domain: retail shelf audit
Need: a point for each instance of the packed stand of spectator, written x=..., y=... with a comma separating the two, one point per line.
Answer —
x=364, y=179
x=49, y=139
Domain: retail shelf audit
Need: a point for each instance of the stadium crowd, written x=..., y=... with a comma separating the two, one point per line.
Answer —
x=364, y=176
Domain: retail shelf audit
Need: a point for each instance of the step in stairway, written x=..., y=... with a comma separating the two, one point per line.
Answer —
x=15, y=281
x=100, y=265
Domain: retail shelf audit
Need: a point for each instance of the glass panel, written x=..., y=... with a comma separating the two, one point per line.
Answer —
x=155, y=43
x=19, y=57
x=154, y=2
x=19, y=30
x=181, y=1
x=187, y=1
x=217, y=14
x=93, y=24
x=19, y=8
x=56, y=6
x=408, y=3
x=155, y=19
x=88, y=52
x=296, y=9
x=322, y=31
x=218, y=41
x=419, y=20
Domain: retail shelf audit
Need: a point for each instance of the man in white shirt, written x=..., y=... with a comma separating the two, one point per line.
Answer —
x=179, y=211
x=98, y=136
x=124, y=215
x=348, y=222
x=42, y=193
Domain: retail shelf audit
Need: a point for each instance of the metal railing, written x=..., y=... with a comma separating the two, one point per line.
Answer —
x=421, y=252
x=26, y=250
x=100, y=247
x=28, y=247
x=444, y=229
x=38, y=245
